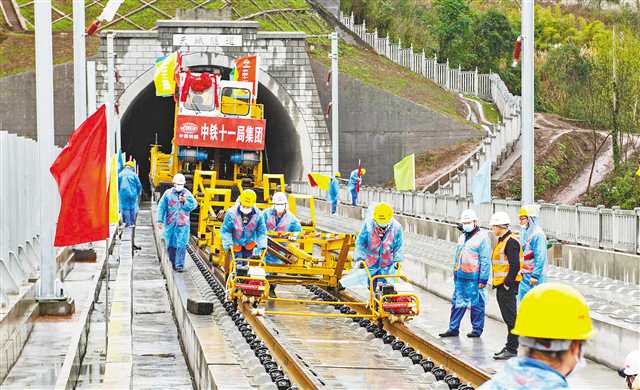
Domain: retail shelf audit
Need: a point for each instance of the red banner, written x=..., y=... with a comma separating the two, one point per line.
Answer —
x=247, y=68
x=219, y=132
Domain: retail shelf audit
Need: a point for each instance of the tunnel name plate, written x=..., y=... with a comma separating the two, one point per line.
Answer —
x=220, y=132
x=207, y=40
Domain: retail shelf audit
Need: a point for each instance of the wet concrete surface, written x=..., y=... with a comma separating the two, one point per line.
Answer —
x=434, y=319
x=45, y=351
x=158, y=361
x=337, y=351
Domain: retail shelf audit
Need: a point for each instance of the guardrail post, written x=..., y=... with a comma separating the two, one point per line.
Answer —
x=615, y=227
x=577, y=222
x=9, y=283
x=475, y=82
x=16, y=269
x=600, y=233
x=637, y=232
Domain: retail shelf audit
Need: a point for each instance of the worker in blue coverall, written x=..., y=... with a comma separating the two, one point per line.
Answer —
x=553, y=324
x=243, y=229
x=129, y=190
x=174, y=208
x=332, y=193
x=471, y=271
x=534, y=249
x=354, y=184
x=380, y=242
x=279, y=219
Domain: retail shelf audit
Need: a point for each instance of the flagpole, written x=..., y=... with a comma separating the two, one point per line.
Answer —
x=45, y=131
x=335, y=136
x=79, y=64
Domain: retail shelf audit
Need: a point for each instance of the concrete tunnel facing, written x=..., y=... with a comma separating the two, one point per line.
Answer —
x=150, y=116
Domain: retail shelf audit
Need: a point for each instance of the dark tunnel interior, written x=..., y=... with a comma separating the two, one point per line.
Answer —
x=150, y=116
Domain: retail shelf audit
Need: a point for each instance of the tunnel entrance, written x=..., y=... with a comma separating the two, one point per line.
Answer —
x=150, y=119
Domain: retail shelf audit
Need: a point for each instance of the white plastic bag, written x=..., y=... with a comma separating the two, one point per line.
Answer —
x=355, y=278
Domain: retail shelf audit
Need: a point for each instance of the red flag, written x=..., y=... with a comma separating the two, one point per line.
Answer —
x=81, y=174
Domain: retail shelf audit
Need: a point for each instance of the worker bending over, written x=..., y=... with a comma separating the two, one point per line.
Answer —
x=553, y=324
x=631, y=370
x=279, y=219
x=506, y=263
x=471, y=270
x=534, y=246
x=243, y=229
x=380, y=242
x=174, y=208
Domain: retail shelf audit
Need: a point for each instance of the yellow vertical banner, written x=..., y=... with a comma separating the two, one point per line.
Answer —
x=164, y=79
x=404, y=173
x=114, y=207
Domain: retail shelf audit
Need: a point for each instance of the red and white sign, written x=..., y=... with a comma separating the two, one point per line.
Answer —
x=247, y=70
x=219, y=132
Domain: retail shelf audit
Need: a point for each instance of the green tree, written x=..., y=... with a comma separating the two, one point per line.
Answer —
x=452, y=27
x=616, y=73
x=492, y=41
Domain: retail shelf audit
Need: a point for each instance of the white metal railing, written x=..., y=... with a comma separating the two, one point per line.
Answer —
x=596, y=227
x=20, y=198
x=486, y=86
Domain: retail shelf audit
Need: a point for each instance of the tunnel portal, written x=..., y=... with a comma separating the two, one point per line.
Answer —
x=149, y=119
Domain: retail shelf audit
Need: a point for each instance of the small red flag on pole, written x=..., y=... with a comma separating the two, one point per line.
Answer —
x=81, y=173
x=359, y=175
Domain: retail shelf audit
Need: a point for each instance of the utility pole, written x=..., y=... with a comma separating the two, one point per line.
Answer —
x=528, y=47
x=335, y=134
x=79, y=65
x=45, y=131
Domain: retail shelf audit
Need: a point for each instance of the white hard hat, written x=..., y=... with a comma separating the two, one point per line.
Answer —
x=533, y=210
x=500, y=218
x=279, y=198
x=632, y=363
x=468, y=216
x=179, y=178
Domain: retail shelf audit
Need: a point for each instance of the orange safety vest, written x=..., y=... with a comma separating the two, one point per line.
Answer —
x=500, y=263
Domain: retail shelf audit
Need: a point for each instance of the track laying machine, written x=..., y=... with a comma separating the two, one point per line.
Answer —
x=218, y=144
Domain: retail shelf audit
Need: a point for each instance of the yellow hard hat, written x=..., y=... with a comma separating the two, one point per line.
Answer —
x=523, y=212
x=337, y=174
x=554, y=311
x=248, y=198
x=131, y=164
x=382, y=213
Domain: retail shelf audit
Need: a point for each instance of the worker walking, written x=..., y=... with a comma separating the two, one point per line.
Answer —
x=173, y=217
x=631, y=370
x=553, y=324
x=355, y=181
x=129, y=190
x=243, y=229
x=279, y=219
x=534, y=246
x=471, y=271
x=334, y=190
x=380, y=242
x=506, y=263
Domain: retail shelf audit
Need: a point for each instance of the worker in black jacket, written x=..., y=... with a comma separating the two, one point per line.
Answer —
x=507, y=261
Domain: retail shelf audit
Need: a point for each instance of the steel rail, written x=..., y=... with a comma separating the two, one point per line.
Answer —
x=465, y=370
x=289, y=364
